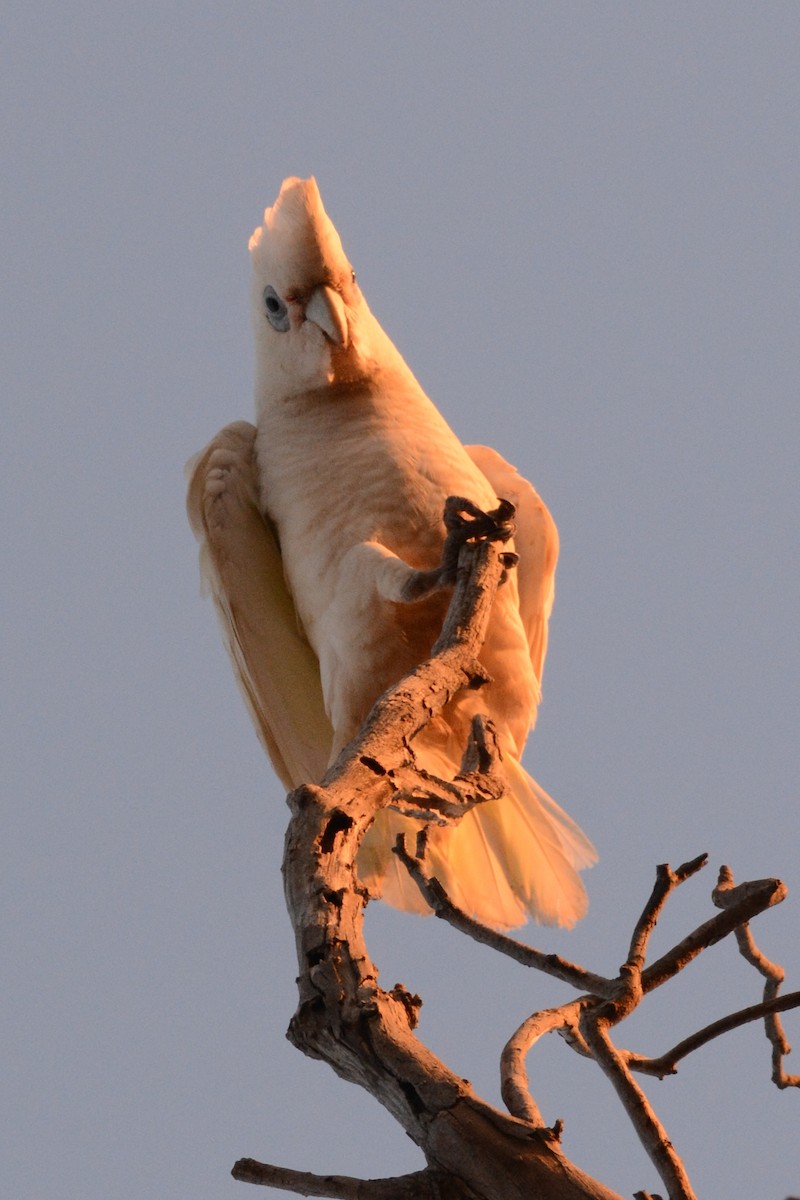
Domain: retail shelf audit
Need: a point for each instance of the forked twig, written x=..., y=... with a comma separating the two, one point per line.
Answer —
x=724, y=895
x=585, y=1023
x=761, y=894
x=666, y=882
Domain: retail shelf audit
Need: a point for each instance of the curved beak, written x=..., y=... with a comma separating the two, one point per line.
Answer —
x=326, y=309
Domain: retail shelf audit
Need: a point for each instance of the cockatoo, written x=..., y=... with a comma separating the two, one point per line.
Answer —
x=316, y=527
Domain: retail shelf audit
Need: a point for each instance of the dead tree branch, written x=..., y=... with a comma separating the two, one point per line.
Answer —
x=666, y=881
x=667, y=1063
x=585, y=1023
x=724, y=896
x=651, y=1132
x=528, y=956
x=472, y=1150
x=344, y=1017
x=423, y=1184
x=513, y=1075
x=762, y=894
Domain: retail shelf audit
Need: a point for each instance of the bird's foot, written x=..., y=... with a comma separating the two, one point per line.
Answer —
x=464, y=522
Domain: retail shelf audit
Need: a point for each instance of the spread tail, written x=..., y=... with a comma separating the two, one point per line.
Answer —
x=505, y=861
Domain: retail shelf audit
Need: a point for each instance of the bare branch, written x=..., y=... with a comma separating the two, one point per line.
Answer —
x=528, y=956
x=763, y=894
x=422, y=796
x=651, y=1132
x=400, y=713
x=666, y=881
x=666, y=1064
x=364, y=1032
x=725, y=894
x=423, y=1184
x=585, y=1022
x=513, y=1074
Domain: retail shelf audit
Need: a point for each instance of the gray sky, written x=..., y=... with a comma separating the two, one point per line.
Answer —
x=579, y=223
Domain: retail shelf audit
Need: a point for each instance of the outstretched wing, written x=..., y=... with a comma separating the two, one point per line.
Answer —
x=240, y=563
x=536, y=542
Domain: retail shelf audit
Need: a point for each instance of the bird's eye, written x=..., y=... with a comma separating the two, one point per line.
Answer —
x=352, y=275
x=277, y=312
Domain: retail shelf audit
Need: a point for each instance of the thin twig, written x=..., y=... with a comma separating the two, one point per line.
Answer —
x=420, y=795
x=764, y=893
x=725, y=894
x=514, y=1085
x=666, y=881
x=666, y=1064
x=528, y=956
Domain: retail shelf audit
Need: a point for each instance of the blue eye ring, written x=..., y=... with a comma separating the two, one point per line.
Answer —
x=277, y=312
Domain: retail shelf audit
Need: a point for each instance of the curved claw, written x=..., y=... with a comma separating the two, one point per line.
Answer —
x=497, y=525
x=465, y=522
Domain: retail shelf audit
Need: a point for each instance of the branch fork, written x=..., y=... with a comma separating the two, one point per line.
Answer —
x=472, y=1150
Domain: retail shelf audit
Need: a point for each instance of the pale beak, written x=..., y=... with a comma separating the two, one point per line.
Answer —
x=326, y=309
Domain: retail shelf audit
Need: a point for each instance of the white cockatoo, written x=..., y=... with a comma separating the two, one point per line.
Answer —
x=314, y=528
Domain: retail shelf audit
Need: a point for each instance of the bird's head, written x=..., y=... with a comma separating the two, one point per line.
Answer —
x=312, y=325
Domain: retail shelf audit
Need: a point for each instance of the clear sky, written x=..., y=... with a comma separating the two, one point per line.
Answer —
x=579, y=223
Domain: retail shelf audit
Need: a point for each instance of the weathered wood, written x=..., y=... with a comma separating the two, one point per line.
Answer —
x=344, y=1017
x=472, y=1150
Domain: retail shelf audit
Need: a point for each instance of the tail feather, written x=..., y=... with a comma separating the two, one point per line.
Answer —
x=381, y=871
x=542, y=849
x=503, y=862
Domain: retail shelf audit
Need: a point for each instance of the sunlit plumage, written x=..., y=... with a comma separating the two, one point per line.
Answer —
x=310, y=526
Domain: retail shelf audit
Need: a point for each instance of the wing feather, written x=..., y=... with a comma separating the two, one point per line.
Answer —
x=503, y=860
x=241, y=567
x=536, y=542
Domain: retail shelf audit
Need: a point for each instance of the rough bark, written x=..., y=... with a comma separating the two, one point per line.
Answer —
x=472, y=1150
x=344, y=1017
